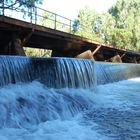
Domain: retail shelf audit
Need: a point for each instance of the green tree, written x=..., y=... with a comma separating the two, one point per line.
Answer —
x=26, y=7
x=107, y=27
x=37, y=52
x=120, y=38
x=119, y=26
x=88, y=24
x=20, y=3
x=127, y=16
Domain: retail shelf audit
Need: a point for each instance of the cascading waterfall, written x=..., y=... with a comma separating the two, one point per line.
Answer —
x=53, y=72
x=25, y=107
x=73, y=99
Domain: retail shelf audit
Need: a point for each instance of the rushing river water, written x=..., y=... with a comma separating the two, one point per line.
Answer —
x=32, y=111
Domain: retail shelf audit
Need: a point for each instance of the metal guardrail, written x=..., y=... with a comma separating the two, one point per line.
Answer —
x=39, y=16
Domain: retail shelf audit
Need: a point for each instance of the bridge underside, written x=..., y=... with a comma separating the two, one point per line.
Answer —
x=14, y=34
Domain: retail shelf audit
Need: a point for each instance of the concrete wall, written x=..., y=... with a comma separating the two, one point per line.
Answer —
x=113, y=72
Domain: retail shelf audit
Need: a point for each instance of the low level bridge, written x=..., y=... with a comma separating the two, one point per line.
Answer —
x=16, y=30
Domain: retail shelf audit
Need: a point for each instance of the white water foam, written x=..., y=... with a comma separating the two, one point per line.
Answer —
x=33, y=111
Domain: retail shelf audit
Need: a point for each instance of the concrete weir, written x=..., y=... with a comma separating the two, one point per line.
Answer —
x=64, y=72
x=114, y=72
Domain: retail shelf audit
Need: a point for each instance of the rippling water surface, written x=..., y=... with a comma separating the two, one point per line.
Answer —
x=33, y=111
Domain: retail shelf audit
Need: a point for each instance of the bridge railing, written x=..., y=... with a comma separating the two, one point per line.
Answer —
x=39, y=16
x=53, y=20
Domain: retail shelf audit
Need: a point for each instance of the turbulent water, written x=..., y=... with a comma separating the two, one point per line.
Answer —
x=34, y=111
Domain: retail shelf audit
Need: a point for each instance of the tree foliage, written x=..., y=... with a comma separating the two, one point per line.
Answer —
x=20, y=3
x=37, y=52
x=121, y=38
x=87, y=24
x=119, y=26
x=127, y=16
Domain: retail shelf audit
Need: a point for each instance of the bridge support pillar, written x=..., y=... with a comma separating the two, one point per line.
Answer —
x=86, y=55
x=116, y=58
x=15, y=46
x=18, y=47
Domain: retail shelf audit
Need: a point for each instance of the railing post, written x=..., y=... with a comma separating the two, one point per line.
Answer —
x=70, y=26
x=35, y=15
x=55, y=21
x=3, y=8
x=31, y=15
